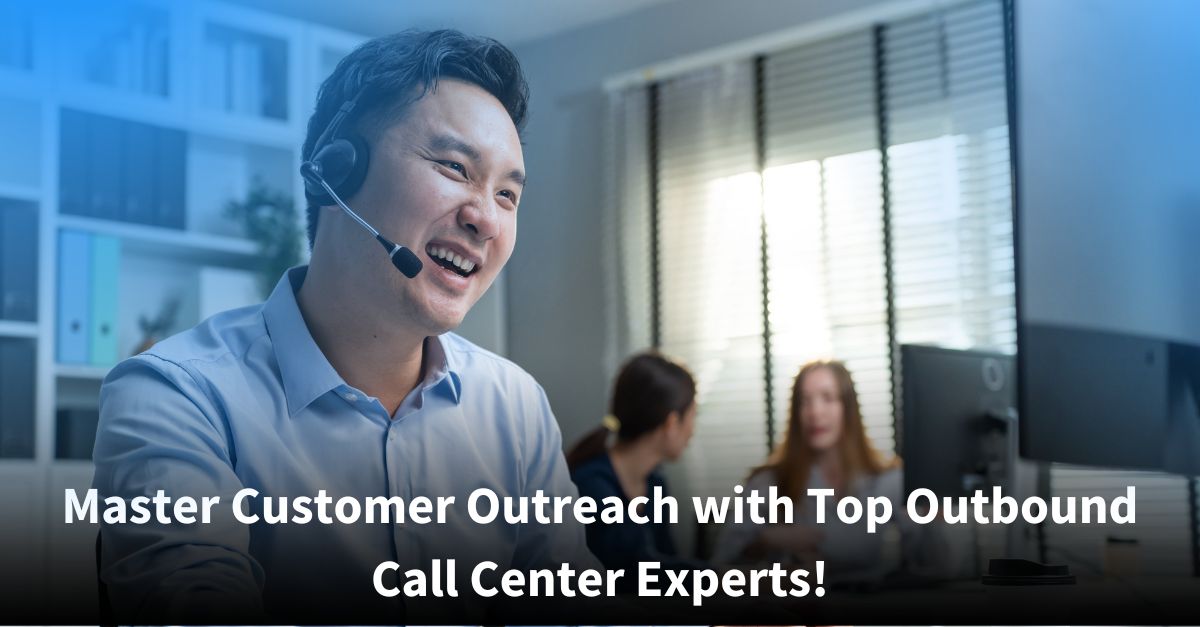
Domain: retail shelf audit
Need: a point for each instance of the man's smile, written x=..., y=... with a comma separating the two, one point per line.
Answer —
x=453, y=258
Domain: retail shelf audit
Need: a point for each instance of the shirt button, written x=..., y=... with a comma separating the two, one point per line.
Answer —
x=351, y=397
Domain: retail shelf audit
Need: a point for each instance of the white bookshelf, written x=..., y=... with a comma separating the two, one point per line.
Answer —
x=17, y=191
x=150, y=62
x=15, y=329
x=176, y=244
x=80, y=372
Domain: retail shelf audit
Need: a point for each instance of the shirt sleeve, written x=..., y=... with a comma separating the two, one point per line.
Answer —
x=545, y=468
x=158, y=431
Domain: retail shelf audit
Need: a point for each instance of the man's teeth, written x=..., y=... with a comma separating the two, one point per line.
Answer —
x=441, y=253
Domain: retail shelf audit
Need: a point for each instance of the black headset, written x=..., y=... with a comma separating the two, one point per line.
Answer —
x=338, y=167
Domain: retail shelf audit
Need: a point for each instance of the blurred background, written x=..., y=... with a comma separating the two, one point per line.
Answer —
x=746, y=185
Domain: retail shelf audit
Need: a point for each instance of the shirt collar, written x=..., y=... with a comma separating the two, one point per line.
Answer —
x=442, y=367
x=306, y=373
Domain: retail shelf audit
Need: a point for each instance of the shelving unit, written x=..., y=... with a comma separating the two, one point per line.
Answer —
x=80, y=372
x=171, y=243
x=238, y=85
x=11, y=328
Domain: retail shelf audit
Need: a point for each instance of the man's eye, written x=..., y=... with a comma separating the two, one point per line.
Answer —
x=454, y=165
x=509, y=195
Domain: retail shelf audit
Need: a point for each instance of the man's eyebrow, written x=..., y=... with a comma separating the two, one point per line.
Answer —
x=517, y=177
x=446, y=142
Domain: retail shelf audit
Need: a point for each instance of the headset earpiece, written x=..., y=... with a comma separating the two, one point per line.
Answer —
x=343, y=164
x=337, y=168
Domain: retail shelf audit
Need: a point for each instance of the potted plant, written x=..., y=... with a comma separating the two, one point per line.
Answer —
x=269, y=218
x=158, y=327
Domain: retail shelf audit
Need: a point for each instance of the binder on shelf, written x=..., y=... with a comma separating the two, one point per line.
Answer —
x=18, y=262
x=119, y=170
x=17, y=384
x=136, y=168
x=105, y=158
x=215, y=95
x=73, y=163
x=157, y=59
x=74, y=297
x=105, y=267
x=253, y=89
x=239, y=81
x=170, y=178
x=75, y=432
x=273, y=92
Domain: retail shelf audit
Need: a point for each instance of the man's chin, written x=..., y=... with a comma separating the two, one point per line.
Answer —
x=445, y=323
x=439, y=316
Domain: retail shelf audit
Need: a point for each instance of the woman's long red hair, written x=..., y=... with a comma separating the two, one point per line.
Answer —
x=792, y=459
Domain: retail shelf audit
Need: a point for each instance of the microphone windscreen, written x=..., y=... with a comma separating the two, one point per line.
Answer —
x=407, y=262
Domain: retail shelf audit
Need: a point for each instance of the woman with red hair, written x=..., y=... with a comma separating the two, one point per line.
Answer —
x=826, y=447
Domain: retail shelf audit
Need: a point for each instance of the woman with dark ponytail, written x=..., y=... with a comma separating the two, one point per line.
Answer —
x=651, y=418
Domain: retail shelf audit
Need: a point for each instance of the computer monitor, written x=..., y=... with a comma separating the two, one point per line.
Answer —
x=957, y=418
x=1107, y=232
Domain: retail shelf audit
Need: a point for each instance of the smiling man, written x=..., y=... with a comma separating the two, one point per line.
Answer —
x=348, y=379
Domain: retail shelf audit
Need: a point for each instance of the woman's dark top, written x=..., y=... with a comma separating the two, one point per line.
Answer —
x=624, y=544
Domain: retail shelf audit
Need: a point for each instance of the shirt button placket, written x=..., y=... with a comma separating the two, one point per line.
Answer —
x=395, y=487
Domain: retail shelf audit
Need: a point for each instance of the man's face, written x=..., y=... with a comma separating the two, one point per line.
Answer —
x=445, y=181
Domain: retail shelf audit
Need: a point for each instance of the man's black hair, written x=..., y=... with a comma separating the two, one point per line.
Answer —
x=390, y=73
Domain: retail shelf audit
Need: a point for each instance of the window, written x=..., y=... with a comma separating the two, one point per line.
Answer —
x=835, y=199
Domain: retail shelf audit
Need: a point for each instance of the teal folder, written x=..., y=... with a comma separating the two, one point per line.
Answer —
x=106, y=260
x=74, y=296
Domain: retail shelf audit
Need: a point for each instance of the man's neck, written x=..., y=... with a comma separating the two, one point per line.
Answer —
x=379, y=359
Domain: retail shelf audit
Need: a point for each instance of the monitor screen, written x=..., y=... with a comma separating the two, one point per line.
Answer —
x=1107, y=153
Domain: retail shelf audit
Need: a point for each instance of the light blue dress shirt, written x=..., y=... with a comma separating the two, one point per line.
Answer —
x=246, y=399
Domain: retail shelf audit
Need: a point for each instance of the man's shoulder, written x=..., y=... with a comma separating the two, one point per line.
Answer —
x=222, y=339
x=475, y=361
x=181, y=376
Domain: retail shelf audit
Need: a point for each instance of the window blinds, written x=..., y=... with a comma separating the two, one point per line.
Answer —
x=951, y=201
x=824, y=222
x=709, y=265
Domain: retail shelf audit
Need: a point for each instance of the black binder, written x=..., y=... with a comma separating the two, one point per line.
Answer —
x=18, y=261
x=75, y=433
x=17, y=368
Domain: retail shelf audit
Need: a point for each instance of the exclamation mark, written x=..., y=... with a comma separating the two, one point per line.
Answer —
x=820, y=591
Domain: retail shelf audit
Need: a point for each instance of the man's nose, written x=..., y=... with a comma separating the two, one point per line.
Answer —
x=480, y=218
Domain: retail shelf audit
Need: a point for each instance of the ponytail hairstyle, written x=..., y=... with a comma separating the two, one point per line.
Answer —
x=648, y=388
